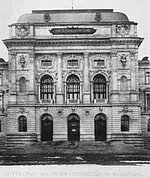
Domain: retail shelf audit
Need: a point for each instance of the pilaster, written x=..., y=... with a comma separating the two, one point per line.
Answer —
x=59, y=94
x=86, y=95
x=12, y=77
x=31, y=92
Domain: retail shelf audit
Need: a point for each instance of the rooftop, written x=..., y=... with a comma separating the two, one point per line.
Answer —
x=73, y=16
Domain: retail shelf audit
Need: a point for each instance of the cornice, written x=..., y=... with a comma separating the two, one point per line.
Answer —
x=73, y=41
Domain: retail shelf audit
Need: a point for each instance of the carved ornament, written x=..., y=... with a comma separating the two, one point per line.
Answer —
x=123, y=59
x=22, y=110
x=22, y=61
x=46, y=17
x=126, y=110
x=122, y=30
x=22, y=30
x=98, y=17
x=72, y=30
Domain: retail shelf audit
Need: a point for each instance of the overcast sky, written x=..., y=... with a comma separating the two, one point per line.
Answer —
x=136, y=10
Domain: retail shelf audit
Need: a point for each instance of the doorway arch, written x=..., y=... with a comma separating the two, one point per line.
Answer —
x=73, y=127
x=46, y=127
x=100, y=125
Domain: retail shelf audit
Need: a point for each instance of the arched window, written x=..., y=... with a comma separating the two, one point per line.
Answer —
x=22, y=122
x=148, y=126
x=124, y=123
x=22, y=84
x=73, y=87
x=99, y=87
x=47, y=88
x=123, y=83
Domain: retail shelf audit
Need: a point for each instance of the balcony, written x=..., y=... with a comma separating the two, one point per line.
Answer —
x=49, y=101
x=73, y=101
x=96, y=101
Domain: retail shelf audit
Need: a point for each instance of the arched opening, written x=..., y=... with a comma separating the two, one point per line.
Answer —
x=46, y=128
x=22, y=124
x=100, y=127
x=73, y=87
x=46, y=88
x=73, y=127
x=99, y=87
x=125, y=123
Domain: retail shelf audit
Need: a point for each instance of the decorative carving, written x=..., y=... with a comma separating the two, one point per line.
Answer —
x=87, y=113
x=125, y=110
x=123, y=59
x=22, y=61
x=60, y=112
x=122, y=29
x=22, y=110
x=72, y=30
x=100, y=109
x=98, y=17
x=104, y=72
x=46, y=17
x=22, y=30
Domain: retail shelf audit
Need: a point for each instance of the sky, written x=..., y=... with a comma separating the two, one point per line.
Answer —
x=136, y=10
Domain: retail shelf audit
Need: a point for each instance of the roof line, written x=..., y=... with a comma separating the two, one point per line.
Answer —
x=71, y=10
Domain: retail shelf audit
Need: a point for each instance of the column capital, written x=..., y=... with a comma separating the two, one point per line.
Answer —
x=86, y=54
x=114, y=52
x=31, y=54
x=59, y=54
x=13, y=54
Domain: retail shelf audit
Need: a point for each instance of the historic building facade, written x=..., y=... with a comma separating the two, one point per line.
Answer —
x=72, y=75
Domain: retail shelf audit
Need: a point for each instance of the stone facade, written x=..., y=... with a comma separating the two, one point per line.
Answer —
x=72, y=75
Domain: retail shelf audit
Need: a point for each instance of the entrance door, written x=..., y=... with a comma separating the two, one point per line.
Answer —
x=73, y=127
x=46, y=128
x=100, y=128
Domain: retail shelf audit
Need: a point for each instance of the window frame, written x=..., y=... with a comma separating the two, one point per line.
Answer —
x=46, y=88
x=73, y=87
x=125, y=123
x=99, y=87
x=22, y=124
x=147, y=78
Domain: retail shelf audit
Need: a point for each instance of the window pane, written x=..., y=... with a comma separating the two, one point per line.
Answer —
x=47, y=86
x=22, y=124
x=148, y=101
x=73, y=87
x=125, y=123
x=99, y=87
x=147, y=76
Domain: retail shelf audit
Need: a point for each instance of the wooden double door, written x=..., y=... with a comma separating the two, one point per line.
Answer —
x=100, y=127
x=46, y=128
x=73, y=127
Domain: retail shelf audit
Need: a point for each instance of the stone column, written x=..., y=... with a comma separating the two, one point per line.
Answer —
x=59, y=79
x=86, y=94
x=31, y=75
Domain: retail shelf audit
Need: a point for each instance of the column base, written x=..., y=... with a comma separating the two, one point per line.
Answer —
x=59, y=98
x=86, y=98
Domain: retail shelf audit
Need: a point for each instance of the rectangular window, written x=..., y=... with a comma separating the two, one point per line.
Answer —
x=46, y=63
x=0, y=126
x=147, y=77
x=72, y=63
x=148, y=101
x=99, y=63
x=0, y=77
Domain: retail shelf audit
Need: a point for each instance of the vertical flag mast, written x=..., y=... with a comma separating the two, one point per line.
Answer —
x=72, y=4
